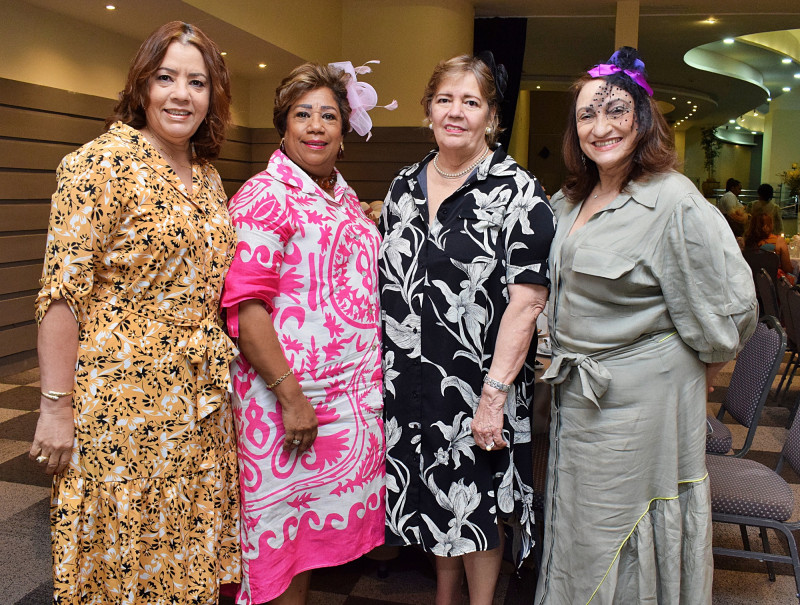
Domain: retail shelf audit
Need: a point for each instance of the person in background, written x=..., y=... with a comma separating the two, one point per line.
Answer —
x=765, y=205
x=302, y=299
x=463, y=278
x=651, y=296
x=760, y=235
x=135, y=420
x=732, y=209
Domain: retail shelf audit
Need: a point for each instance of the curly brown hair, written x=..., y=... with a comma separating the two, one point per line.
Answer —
x=655, y=146
x=460, y=65
x=134, y=99
x=305, y=78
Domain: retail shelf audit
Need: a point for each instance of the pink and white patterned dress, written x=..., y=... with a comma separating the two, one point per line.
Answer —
x=312, y=260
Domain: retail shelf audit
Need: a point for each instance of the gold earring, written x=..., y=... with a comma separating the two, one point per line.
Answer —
x=340, y=154
x=488, y=130
x=430, y=125
x=282, y=147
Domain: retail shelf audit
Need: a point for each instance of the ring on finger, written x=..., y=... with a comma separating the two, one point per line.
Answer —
x=40, y=458
x=295, y=442
x=489, y=446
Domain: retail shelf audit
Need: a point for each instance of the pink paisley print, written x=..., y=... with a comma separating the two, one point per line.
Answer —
x=312, y=260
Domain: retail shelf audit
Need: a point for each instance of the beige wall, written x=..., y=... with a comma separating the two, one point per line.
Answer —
x=733, y=161
x=781, y=137
x=409, y=38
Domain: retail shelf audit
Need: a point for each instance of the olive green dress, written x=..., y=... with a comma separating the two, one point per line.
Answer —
x=648, y=291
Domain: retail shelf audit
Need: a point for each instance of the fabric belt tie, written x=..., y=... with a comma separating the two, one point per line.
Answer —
x=211, y=351
x=594, y=377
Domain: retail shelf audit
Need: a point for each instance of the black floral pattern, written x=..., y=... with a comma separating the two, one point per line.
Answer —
x=443, y=293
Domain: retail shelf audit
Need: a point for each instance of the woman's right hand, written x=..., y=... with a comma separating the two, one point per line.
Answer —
x=300, y=423
x=55, y=434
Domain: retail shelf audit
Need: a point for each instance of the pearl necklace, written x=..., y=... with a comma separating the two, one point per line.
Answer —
x=456, y=175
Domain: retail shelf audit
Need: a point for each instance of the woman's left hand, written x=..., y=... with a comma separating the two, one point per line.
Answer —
x=487, y=425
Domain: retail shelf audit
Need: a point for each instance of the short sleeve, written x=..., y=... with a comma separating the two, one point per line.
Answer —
x=707, y=285
x=264, y=227
x=528, y=229
x=84, y=214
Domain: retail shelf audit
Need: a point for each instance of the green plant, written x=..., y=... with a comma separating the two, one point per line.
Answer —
x=710, y=144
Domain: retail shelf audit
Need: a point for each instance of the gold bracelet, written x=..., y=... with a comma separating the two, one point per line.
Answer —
x=279, y=380
x=55, y=395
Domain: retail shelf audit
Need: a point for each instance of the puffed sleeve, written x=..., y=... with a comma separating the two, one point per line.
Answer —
x=707, y=285
x=264, y=226
x=84, y=215
x=528, y=229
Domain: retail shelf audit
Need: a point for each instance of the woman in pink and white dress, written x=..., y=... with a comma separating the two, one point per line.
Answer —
x=301, y=297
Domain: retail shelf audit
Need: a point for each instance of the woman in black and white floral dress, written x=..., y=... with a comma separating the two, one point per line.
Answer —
x=463, y=277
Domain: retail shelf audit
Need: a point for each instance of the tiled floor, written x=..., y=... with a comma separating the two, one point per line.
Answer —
x=25, y=549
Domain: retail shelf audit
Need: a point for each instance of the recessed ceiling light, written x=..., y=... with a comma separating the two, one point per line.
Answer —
x=110, y=7
x=786, y=60
x=753, y=132
x=728, y=40
x=797, y=75
x=755, y=114
x=710, y=20
x=786, y=89
x=689, y=102
x=673, y=98
x=738, y=127
x=223, y=53
x=732, y=121
x=262, y=65
x=538, y=87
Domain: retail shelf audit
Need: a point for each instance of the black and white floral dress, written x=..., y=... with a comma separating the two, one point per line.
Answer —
x=443, y=293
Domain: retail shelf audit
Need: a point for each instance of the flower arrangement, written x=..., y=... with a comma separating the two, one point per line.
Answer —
x=791, y=179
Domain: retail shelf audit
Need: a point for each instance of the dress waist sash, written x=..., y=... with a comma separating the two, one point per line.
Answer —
x=594, y=377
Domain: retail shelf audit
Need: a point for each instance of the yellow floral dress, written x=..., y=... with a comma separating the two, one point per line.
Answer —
x=147, y=511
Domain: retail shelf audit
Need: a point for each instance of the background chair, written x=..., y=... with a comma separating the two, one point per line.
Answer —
x=755, y=369
x=782, y=289
x=747, y=493
x=761, y=259
x=767, y=297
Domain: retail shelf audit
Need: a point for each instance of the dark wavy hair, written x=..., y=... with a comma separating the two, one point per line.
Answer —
x=305, y=78
x=486, y=83
x=134, y=99
x=655, y=147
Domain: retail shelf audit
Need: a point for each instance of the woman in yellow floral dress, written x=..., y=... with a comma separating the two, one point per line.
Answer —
x=135, y=421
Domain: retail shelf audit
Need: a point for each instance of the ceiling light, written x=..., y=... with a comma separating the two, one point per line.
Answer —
x=689, y=102
x=262, y=65
x=223, y=53
x=710, y=20
x=538, y=87
x=769, y=99
x=797, y=75
x=755, y=114
x=786, y=60
x=110, y=7
x=738, y=127
x=732, y=121
x=786, y=89
x=753, y=132
x=673, y=98
x=728, y=40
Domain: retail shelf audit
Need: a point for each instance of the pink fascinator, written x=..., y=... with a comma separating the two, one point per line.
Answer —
x=361, y=96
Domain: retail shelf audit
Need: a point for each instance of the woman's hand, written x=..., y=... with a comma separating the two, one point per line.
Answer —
x=487, y=425
x=55, y=433
x=300, y=422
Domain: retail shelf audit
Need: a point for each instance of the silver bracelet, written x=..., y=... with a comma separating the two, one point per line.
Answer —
x=496, y=384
